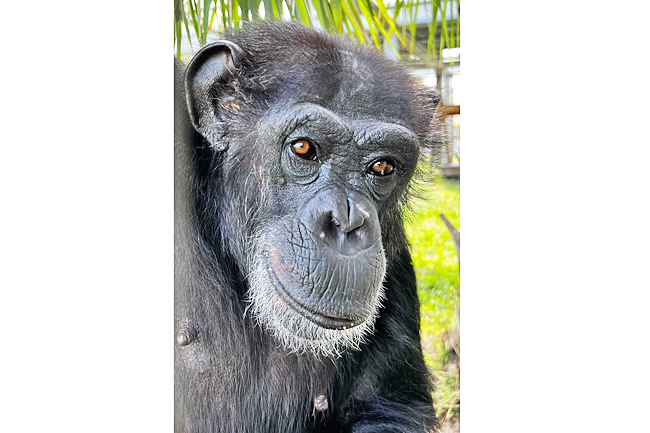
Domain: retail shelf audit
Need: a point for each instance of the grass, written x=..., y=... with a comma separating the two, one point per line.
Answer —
x=437, y=267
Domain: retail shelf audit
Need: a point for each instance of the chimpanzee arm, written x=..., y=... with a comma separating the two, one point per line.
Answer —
x=382, y=415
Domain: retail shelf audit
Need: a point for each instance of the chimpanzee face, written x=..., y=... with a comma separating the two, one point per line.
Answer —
x=319, y=259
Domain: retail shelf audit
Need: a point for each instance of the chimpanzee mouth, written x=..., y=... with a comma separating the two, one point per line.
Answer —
x=321, y=319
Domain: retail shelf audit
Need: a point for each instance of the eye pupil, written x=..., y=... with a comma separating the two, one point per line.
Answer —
x=303, y=149
x=382, y=167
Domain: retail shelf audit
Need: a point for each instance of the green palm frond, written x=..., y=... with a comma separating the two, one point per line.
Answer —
x=398, y=24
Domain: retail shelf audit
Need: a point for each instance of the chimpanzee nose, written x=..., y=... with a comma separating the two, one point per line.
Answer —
x=348, y=216
x=345, y=220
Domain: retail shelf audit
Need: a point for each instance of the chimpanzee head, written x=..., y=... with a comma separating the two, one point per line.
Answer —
x=311, y=142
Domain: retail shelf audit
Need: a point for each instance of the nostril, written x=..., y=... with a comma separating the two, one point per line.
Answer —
x=350, y=208
x=332, y=227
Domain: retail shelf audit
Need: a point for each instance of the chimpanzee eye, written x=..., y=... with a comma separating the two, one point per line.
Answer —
x=304, y=149
x=381, y=167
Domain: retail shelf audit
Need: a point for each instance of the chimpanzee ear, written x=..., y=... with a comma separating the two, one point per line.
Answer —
x=210, y=88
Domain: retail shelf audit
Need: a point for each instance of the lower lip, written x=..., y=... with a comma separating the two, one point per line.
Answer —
x=320, y=319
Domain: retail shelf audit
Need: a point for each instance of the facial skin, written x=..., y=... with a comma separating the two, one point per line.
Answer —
x=318, y=265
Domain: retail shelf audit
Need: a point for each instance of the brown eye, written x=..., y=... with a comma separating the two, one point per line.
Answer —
x=382, y=168
x=304, y=149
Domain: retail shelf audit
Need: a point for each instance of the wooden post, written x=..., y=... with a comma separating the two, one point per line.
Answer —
x=444, y=112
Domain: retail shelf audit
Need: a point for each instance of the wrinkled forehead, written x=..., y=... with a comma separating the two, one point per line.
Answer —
x=349, y=84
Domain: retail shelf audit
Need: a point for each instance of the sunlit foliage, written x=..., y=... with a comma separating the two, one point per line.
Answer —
x=372, y=22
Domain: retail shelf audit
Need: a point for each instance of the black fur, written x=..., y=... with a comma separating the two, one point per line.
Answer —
x=231, y=375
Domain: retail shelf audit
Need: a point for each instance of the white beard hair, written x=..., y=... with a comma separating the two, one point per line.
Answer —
x=294, y=332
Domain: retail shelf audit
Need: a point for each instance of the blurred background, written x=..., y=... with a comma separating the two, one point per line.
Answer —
x=424, y=35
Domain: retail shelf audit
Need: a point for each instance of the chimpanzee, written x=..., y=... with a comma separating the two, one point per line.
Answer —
x=296, y=307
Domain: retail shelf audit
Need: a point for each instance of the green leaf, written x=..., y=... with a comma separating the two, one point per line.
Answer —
x=206, y=20
x=277, y=8
x=254, y=6
x=268, y=10
x=351, y=14
x=347, y=25
x=443, y=33
x=369, y=16
x=187, y=29
x=452, y=34
x=244, y=10
x=177, y=27
x=392, y=25
x=398, y=7
x=458, y=25
x=195, y=21
x=224, y=13
x=337, y=15
x=322, y=16
x=236, y=18
x=387, y=37
x=413, y=25
x=214, y=12
x=432, y=29
x=304, y=13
